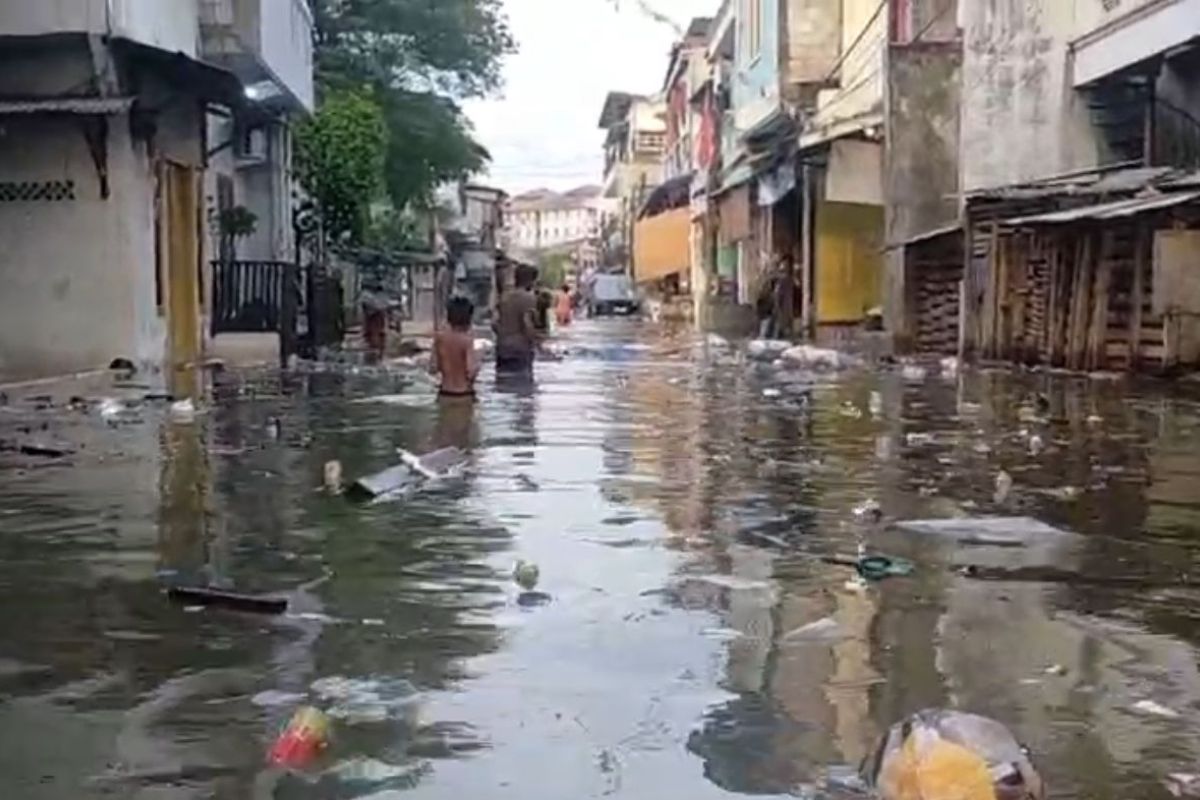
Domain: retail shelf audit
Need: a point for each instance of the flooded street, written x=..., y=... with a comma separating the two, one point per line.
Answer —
x=685, y=508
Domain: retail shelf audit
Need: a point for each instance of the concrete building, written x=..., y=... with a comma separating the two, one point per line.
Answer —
x=474, y=230
x=542, y=219
x=268, y=45
x=634, y=147
x=107, y=134
x=667, y=240
x=1078, y=125
x=102, y=151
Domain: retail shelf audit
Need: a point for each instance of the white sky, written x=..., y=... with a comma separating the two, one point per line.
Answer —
x=541, y=130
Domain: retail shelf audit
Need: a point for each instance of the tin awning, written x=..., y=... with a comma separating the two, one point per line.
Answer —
x=1118, y=209
x=68, y=106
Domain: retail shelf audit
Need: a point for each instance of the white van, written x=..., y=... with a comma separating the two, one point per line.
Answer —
x=612, y=294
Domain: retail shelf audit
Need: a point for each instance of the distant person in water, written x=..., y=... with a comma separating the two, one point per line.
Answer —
x=454, y=358
x=516, y=324
x=541, y=316
x=564, y=308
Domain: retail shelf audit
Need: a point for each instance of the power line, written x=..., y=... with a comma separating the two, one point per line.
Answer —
x=857, y=40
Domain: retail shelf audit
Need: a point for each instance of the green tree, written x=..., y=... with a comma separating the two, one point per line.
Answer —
x=340, y=155
x=553, y=269
x=420, y=57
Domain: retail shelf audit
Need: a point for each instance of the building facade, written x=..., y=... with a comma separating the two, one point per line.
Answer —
x=634, y=147
x=108, y=140
x=543, y=219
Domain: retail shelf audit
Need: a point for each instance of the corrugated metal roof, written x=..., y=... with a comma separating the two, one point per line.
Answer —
x=936, y=233
x=1102, y=181
x=1115, y=210
x=88, y=106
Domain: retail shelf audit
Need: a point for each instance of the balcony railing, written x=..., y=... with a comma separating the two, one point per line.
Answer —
x=267, y=43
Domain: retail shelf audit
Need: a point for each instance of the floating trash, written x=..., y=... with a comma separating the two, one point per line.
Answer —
x=821, y=631
x=183, y=412
x=1004, y=487
x=526, y=575
x=305, y=737
x=949, y=755
x=1154, y=709
x=998, y=531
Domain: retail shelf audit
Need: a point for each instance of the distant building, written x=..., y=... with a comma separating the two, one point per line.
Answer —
x=541, y=219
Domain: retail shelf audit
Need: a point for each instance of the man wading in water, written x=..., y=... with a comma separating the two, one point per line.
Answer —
x=516, y=329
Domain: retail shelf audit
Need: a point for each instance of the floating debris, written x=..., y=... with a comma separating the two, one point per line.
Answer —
x=1183, y=784
x=526, y=575
x=950, y=367
x=183, y=412
x=875, y=405
x=1154, y=709
x=822, y=631
x=258, y=604
x=333, y=477
x=1004, y=487
x=766, y=349
x=772, y=393
x=947, y=754
x=868, y=510
x=305, y=737
x=1037, y=445
x=913, y=373
x=996, y=531
x=807, y=355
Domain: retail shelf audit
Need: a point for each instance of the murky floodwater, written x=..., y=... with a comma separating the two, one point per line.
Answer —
x=683, y=520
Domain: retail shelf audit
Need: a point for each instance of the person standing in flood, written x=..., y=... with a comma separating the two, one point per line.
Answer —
x=454, y=358
x=564, y=307
x=516, y=328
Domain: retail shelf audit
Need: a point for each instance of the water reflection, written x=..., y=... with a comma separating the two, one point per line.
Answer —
x=682, y=518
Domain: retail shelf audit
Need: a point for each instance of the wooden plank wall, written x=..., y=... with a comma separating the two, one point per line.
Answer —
x=935, y=272
x=1074, y=296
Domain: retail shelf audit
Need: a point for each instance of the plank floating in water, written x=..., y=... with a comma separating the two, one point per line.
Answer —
x=257, y=604
x=414, y=471
x=999, y=531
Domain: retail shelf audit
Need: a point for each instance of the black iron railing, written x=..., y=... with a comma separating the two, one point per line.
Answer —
x=248, y=296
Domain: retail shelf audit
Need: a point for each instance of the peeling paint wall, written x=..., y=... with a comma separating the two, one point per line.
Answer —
x=921, y=170
x=814, y=31
x=1021, y=119
x=857, y=102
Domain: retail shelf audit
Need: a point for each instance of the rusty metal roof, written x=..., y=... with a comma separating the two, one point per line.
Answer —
x=1118, y=209
x=85, y=106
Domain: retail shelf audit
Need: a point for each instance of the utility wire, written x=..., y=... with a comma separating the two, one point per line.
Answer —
x=857, y=40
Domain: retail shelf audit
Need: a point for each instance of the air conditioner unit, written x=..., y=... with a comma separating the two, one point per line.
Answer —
x=251, y=146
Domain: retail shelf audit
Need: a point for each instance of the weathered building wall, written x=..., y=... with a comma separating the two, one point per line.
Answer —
x=921, y=165
x=173, y=25
x=756, y=84
x=857, y=102
x=78, y=271
x=849, y=238
x=1020, y=118
x=814, y=34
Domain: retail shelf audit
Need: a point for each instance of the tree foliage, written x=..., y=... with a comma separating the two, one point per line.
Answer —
x=340, y=155
x=418, y=57
x=452, y=47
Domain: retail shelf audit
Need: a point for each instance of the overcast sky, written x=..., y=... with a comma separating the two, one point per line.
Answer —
x=542, y=130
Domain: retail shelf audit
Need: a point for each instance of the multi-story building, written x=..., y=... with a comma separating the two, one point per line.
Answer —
x=542, y=219
x=634, y=147
x=103, y=160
